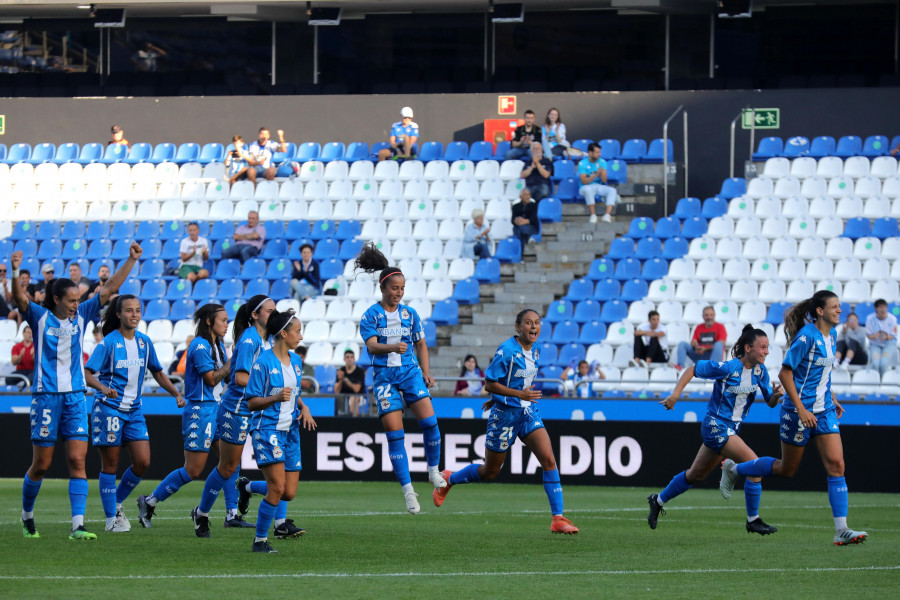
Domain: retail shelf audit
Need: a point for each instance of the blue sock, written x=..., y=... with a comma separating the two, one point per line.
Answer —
x=78, y=493
x=397, y=452
x=108, y=494
x=468, y=474
x=837, y=496
x=752, y=493
x=281, y=510
x=171, y=484
x=761, y=467
x=127, y=484
x=264, y=518
x=211, y=489
x=259, y=487
x=432, y=437
x=30, y=491
x=676, y=487
x=231, y=491
x=554, y=491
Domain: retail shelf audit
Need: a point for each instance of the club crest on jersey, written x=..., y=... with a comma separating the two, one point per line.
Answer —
x=504, y=445
x=798, y=437
x=110, y=437
x=141, y=344
x=404, y=314
x=243, y=436
x=45, y=431
x=298, y=371
x=385, y=404
x=757, y=370
x=277, y=452
x=207, y=443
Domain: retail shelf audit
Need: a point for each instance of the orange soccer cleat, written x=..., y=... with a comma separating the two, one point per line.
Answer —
x=563, y=525
x=440, y=494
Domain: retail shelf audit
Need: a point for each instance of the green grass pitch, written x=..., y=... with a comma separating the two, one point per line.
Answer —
x=487, y=541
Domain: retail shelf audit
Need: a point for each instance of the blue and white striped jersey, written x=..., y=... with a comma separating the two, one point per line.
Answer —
x=269, y=377
x=58, y=363
x=199, y=361
x=402, y=325
x=735, y=387
x=514, y=367
x=245, y=353
x=120, y=364
x=810, y=357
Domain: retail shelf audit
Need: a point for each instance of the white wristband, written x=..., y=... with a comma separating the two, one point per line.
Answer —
x=15, y=273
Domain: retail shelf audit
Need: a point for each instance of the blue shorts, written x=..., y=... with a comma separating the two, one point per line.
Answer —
x=232, y=427
x=794, y=433
x=273, y=446
x=112, y=427
x=716, y=431
x=506, y=423
x=260, y=170
x=55, y=416
x=198, y=425
x=393, y=385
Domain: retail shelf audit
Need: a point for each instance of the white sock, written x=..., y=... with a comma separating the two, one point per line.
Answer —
x=408, y=488
x=247, y=488
x=27, y=515
x=152, y=501
x=77, y=521
x=753, y=518
x=110, y=521
x=659, y=501
x=278, y=522
x=231, y=513
x=200, y=513
x=840, y=523
x=261, y=539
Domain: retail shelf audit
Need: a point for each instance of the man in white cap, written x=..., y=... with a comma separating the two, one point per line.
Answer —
x=404, y=134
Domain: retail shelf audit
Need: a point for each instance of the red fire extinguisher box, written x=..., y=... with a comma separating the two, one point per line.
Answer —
x=500, y=130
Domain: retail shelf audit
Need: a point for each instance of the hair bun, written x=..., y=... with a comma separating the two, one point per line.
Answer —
x=748, y=327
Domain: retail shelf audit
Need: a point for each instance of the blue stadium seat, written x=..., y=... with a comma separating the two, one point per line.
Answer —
x=182, y=309
x=559, y=310
x=849, y=145
x=607, y=289
x=256, y=286
x=232, y=305
x=99, y=249
x=321, y=230
x=49, y=249
x=655, y=151
x=140, y=152
x=326, y=249
x=72, y=230
x=633, y=151
x=592, y=332
x=154, y=289
x=549, y=388
x=882, y=228
x=171, y=250
x=620, y=248
x=875, y=145
x=687, y=207
x=326, y=375
x=796, y=146
x=509, y=250
x=579, y=289
x=570, y=354
x=769, y=147
x=456, y=151
x=775, y=314
x=275, y=248
x=294, y=252
x=251, y=269
x=229, y=268
x=822, y=146
x=210, y=153
x=614, y=310
x=162, y=153
x=281, y=288
x=3, y=151
x=675, y=248
x=332, y=151
x=617, y=171
x=130, y=287
x=634, y=289
x=331, y=268
x=347, y=230
x=122, y=230
x=20, y=152
x=378, y=147
x=94, y=271
x=857, y=228
x=487, y=270
x=431, y=151
x=445, y=312
x=179, y=289
x=655, y=268
x=430, y=340
x=221, y=230
x=308, y=151
x=610, y=149
x=32, y=265
x=120, y=250
x=66, y=153
x=481, y=151
x=283, y=158
x=97, y=229
x=586, y=310
x=582, y=145
x=863, y=310
x=357, y=151
x=350, y=248
x=297, y=229
x=173, y=230
x=274, y=229
x=567, y=191
x=24, y=230
x=48, y=230
x=29, y=247
x=42, y=153
x=156, y=309
x=230, y=288
x=90, y=153
x=187, y=152
x=565, y=332
x=601, y=268
x=278, y=269
x=151, y=269
x=563, y=169
x=668, y=227
x=204, y=289
x=467, y=291
x=640, y=227
x=501, y=150
x=550, y=210
x=114, y=153
x=713, y=206
x=549, y=352
x=733, y=187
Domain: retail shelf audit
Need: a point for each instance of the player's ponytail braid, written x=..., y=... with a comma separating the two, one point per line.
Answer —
x=203, y=322
x=796, y=316
x=370, y=259
x=747, y=338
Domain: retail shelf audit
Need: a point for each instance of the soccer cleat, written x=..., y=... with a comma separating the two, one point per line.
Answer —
x=412, y=502
x=436, y=478
x=243, y=495
x=847, y=536
x=122, y=520
x=119, y=525
x=655, y=510
x=561, y=524
x=201, y=524
x=726, y=484
x=238, y=521
x=145, y=512
x=80, y=533
x=440, y=494
x=29, y=530
x=760, y=527
x=264, y=547
x=288, y=530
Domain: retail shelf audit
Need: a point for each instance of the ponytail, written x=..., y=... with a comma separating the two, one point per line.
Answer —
x=747, y=338
x=796, y=316
x=278, y=322
x=244, y=317
x=57, y=288
x=370, y=259
x=202, y=319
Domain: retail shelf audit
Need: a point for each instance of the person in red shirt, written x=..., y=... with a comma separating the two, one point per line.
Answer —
x=23, y=357
x=707, y=343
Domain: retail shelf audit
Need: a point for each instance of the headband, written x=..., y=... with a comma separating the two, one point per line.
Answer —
x=397, y=272
x=260, y=304
x=288, y=322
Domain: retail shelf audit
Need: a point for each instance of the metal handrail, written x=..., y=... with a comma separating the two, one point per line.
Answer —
x=731, y=155
x=666, y=157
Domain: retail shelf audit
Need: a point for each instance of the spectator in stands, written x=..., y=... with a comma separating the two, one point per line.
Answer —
x=236, y=162
x=23, y=357
x=248, y=239
x=477, y=237
x=36, y=289
x=707, y=343
x=24, y=283
x=650, y=342
x=351, y=379
x=524, y=218
x=103, y=274
x=145, y=59
x=118, y=137
x=537, y=173
x=261, y=151
x=896, y=150
x=84, y=284
x=6, y=302
x=881, y=329
x=306, y=386
x=404, y=135
x=194, y=251
x=851, y=343
x=176, y=367
x=473, y=384
x=583, y=372
x=525, y=135
x=306, y=280
x=589, y=171
x=553, y=136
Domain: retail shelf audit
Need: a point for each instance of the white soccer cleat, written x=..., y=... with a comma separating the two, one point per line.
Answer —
x=436, y=479
x=122, y=520
x=729, y=475
x=847, y=536
x=412, y=502
x=118, y=526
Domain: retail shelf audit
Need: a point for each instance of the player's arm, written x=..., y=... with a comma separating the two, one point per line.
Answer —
x=165, y=383
x=495, y=387
x=19, y=295
x=93, y=383
x=115, y=282
x=421, y=349
x=259, y=403
x=786, y=376
x=374, y=347
x=685, y=379
x=305, y=416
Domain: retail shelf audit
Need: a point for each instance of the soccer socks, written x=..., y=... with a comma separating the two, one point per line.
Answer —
x=258, y=487
x=676, y=487
x=168, y=486
x=837, y=497
x=468, y=474
x=281, y=512
x=761, y=467
x=127, y=485
x=264, y=519
x=432, y=437
x=231, y=494
x=108, y=494
x=752, y=493
x=397, y=452
x=30, y=491
x=554, y=491
x=211, y=489
x=78, y=493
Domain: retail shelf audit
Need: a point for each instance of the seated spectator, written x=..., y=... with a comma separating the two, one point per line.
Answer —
x=524, y=136
x=707, y=343
x=473, y=384
x=23, y=359
x=851, y=343
x=36, y=289
x=98, y=335
x=6, y=301
x=881, y=329
x=118, y=137
x=194, y=251
x=650, y=342
x=896, y=150
x=177, y=366
x=24, y=283
x=589, y=171
x=306, y=281
x=553, y=136
x=584, y=372
x=524, y=218
x=145, y=59
x=306, y=385
x=404, y=135
x=84, y=284
x=537, y=173
x=103, y=274
x=248, y=239
x=477, y=237
x=261, y=151
x=351, y=379
x=237, y=161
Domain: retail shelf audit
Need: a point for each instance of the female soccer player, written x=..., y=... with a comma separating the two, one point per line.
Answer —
x=233, y=416
x=273, y=393
x=810, y=409
x=58, y=407
x=120, y=361
x=737, y=382
x=205, y=370
x=514, y=414
x=390, y=331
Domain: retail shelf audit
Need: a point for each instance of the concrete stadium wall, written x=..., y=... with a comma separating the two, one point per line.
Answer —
x=448, y=117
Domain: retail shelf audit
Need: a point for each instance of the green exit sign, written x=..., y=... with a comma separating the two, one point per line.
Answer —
x=764, y=118
x=2, y=124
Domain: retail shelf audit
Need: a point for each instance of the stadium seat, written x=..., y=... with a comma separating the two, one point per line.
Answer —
x=875, y=145
x=849, y=145
x=796, y=146
x=733, y=187
x=610, y=148
x=822, y=146
x=768, y=147
x=487, y=270
x=655, y=151
x=687, y=208
x=633, y=151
